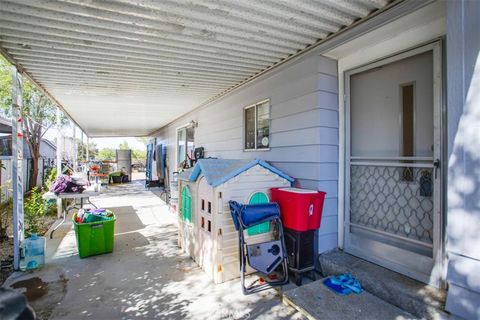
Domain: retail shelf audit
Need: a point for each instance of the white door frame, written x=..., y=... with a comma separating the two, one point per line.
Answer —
x=437, y=276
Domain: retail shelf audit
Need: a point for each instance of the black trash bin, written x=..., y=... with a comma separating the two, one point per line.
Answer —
x=117, y=179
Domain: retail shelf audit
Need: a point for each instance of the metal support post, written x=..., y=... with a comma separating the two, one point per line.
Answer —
x=59, y=156
x=88, y=148
x=82, y=152
x=74, y=149
x=17, y=165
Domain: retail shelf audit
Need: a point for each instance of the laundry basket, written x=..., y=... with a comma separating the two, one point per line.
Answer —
x=95, y=237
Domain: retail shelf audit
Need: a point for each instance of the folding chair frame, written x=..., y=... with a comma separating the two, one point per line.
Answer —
x=243, y=255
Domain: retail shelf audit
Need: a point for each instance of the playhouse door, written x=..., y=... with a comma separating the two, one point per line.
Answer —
x=393, y=179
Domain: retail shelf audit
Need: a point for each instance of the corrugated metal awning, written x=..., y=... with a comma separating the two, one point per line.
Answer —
x=126, y=68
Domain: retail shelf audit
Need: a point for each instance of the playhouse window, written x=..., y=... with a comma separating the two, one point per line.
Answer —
x=209, y=207
x=257, y=126
x=203, y=205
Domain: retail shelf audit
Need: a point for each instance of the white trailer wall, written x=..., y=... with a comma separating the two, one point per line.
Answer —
x=303, y=130
x=463, y=216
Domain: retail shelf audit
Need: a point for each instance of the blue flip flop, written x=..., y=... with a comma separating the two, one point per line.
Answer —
x=343, y=284
x=338, y=289
x=349, y=281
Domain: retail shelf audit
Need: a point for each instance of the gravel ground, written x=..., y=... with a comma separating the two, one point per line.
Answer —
x=6, y=251
x=6, y=259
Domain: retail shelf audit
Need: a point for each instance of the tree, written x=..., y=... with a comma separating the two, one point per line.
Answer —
x=139, y=156
x=39, y=114
x=124, y=145
x=107, y=154
x=5, y=87
x=92, y=150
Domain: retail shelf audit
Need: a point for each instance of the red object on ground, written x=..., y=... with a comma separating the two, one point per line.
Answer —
x=272, y=276
x=300, y=209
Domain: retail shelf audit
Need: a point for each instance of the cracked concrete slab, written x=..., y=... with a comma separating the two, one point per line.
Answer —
x=316, y=301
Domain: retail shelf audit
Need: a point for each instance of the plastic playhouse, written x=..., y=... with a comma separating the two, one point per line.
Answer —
x=206, y=229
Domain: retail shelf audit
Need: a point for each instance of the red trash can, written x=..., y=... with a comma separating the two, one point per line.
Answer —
x=300, y=209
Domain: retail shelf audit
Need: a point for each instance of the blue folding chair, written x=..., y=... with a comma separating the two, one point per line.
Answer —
x=265, y=257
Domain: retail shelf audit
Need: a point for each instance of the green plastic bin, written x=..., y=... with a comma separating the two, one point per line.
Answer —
x=95, y=237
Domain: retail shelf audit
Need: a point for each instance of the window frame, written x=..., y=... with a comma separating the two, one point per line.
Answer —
x=184, y=127
x=255, y=106
x=414, y=116
x=407, y=172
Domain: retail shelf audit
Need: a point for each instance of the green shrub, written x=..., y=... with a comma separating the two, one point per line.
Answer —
x=6, y=207
x=35, y=208
x=51, y=176
x=51, y=206
x=6, y=211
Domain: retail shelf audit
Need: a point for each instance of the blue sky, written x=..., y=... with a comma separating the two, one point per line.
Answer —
x=100, y=142
x=115, y=142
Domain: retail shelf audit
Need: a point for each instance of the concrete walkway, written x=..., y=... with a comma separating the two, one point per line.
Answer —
x=146, y=277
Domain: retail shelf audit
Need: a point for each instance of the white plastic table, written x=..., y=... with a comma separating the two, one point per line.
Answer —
x=84, y=199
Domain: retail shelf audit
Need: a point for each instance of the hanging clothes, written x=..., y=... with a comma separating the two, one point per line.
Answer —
x=149, y=161
x=159, y=158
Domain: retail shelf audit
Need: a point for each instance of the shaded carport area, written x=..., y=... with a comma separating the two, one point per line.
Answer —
x=128, y=68
x=146, y=277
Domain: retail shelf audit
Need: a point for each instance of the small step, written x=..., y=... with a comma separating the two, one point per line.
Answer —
x=415, y=297
x=316, y=301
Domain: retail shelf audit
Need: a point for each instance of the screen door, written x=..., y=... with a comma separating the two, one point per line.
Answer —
x=393, y=181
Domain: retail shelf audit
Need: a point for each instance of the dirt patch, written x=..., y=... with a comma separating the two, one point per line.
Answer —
x=6, y=259
x=44, y=222
x=42, y=295
x=6, y=248
x=47, y=222
x=33, y=288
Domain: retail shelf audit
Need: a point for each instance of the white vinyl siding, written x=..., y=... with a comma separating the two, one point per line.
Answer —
x=303, y=105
